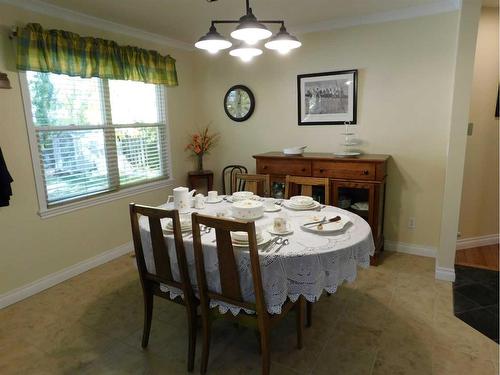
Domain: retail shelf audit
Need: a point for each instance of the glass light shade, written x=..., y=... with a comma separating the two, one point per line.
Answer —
x=283, y=42
x=213, y=42
x=250, y=30
x=246, y=53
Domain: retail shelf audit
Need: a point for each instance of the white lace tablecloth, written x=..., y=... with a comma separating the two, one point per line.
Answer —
x=309, y=265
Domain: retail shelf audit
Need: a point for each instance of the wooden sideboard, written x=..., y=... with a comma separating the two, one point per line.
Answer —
x=352, y=180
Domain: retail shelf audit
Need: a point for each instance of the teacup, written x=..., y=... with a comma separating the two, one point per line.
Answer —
x=279, y=224
x=199, y=201
x=213, y=195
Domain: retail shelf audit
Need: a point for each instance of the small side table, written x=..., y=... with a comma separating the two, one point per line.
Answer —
x=200, y=180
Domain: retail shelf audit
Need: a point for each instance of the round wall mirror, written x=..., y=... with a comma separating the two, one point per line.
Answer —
x=239, y=103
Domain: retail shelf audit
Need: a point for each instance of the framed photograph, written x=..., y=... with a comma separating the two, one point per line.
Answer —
x=327, y=98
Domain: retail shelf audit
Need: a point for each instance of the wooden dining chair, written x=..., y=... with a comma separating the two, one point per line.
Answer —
x=227, y=177
x=304, y=186
x=256, y=183
x=230, y=292
x=151, y=280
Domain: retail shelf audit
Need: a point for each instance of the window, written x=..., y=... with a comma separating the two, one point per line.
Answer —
x=92, y=136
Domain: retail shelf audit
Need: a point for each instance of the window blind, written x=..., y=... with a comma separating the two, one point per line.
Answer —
x=96, y=135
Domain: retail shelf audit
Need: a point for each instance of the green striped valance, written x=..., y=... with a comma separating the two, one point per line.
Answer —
x=64, y=52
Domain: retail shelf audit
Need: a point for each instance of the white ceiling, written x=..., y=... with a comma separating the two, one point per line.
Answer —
x=187, y=20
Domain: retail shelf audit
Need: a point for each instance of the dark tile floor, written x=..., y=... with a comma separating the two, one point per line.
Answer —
x=475, y=299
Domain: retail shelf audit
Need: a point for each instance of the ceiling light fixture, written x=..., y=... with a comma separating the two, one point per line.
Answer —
x=245, y=53
x=250, y=30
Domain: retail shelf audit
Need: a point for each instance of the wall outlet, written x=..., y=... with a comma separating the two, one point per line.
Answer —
x=412, y=224
x=459, y=234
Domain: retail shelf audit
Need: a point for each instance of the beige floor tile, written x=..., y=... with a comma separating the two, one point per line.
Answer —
x=394, y=319
x=451, y=362
x=335, y=360
x=452, y=333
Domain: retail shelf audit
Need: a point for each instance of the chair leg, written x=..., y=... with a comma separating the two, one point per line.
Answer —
x=257, y=334
x=265, y=351
x=206, y=343
x=309, y=312
x=192, y=328
x=300, y=322
x=148, y=315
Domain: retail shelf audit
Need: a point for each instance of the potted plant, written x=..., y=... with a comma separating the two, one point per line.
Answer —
x=201, y=143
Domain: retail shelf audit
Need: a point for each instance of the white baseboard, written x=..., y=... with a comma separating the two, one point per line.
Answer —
x=409, y=248
x=445, y=274
x=48, y=281
x=467, y=243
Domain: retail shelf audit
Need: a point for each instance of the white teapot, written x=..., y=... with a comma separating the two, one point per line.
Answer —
x=182, y=198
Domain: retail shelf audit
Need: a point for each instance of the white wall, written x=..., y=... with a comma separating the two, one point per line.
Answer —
x=479, y=209
x=404, y=100
x=32, y=247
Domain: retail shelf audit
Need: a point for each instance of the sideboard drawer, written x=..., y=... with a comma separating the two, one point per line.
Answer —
x=347, y=170
x=284, y=167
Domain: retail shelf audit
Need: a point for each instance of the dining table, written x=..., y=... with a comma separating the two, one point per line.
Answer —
x=307, y=264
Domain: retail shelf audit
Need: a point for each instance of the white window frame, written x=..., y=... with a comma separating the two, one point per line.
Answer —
x=99, y=198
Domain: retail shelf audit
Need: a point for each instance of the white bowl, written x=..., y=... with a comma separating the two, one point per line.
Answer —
x=296, y=150
x=241, y=195
x=247, y=209
x=301, y=200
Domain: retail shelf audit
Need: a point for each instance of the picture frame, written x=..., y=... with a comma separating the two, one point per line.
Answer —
x=328, y=98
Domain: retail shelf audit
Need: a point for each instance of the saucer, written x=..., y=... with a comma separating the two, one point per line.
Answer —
x=220, y=198
x=288, y=231
x=275, y=209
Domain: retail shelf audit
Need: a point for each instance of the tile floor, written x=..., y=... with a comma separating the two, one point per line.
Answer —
x=475, y=299
x=395, y=319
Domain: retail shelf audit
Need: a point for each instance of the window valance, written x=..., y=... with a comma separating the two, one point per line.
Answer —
x=64, y=52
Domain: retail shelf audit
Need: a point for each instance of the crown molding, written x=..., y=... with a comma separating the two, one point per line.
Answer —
x=38, y=6
x=441, y=6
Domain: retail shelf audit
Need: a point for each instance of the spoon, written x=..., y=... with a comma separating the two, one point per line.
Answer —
x=283, y=243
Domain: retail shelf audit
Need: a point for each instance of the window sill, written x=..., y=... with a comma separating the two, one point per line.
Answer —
x=105, y=198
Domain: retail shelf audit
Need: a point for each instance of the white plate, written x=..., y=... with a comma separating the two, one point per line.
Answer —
x=347, y=153
x=266, y=237
x=183, y=230
x=298, y=208
x=220, y=198
x=288, y=231
x=294, y=205
x=329, y=228
x=275, y=209
x=229, y=198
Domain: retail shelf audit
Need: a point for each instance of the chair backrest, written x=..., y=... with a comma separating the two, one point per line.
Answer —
x=163, y=271
x=227, y=177
x=256, y=183
x=305, y=185
x=228, y=269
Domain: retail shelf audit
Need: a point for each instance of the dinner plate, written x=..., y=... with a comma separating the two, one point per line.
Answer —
x=328, y=228
x=301, y=208
x=275, y=209
x=183, y=229
x=230, y=199
x=288, y=231
x=266, y=237
x=219, y=199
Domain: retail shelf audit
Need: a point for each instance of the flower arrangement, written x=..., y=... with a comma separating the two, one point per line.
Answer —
x=202, y=143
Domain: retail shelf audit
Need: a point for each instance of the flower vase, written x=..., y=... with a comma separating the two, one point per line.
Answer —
x=200, y=162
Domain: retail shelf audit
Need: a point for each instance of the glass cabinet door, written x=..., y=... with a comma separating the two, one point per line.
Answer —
x=354, y=197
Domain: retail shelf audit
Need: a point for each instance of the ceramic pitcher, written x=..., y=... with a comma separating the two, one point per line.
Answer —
x=182, y=198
